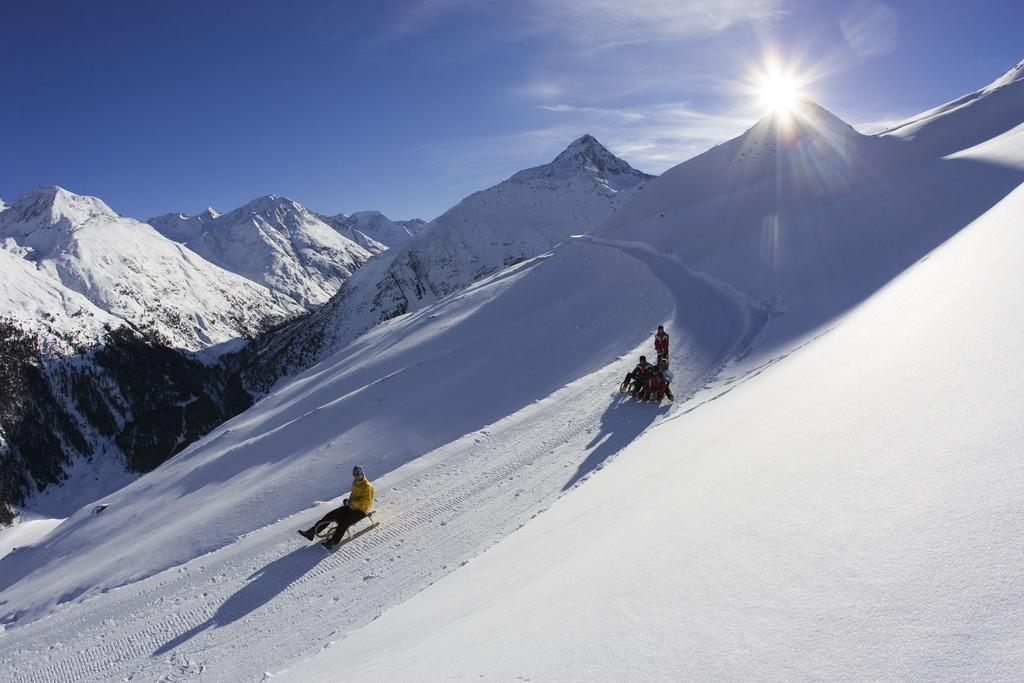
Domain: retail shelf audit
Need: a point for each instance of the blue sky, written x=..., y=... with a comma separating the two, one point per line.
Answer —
x=408, y=106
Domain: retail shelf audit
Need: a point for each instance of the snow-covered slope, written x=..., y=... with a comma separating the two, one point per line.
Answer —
x=968, y=120
x=377, y=403
x=133, y=272
x=276, y=242
x=849, y=512
x=843, y=501
x=351, y=231
x=61, y=317
x=489, y=230
x=846, y=507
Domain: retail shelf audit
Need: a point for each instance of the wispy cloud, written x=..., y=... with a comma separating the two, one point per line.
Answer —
x=587, y=24
x=374, y=28
x=602, y=24
x=625, y=115
x=539, y=90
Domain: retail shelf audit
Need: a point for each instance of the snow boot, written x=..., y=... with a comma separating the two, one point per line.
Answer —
x=306, y=534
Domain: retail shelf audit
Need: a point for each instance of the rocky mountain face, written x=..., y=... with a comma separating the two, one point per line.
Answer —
x=129, y=398
x=489, y=230
x=275, y=242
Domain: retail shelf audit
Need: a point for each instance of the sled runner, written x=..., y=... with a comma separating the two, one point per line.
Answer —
x=324, y=531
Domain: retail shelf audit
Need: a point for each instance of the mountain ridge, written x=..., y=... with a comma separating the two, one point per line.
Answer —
x=280, y=244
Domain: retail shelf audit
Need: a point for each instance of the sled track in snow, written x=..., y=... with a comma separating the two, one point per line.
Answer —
x=421, y=532
x=261, y=604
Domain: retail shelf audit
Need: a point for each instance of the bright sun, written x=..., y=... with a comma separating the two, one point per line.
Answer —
x=778, y=92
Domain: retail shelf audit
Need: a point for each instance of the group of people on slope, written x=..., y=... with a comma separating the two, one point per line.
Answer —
x=649, y=382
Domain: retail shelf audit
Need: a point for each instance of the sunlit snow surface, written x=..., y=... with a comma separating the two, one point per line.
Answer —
x=836, y=494
x=848, y=510
x=26, y=532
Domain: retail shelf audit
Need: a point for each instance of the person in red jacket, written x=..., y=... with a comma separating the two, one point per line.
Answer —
x=636, y=381
x=658, y=385
x=661, y=342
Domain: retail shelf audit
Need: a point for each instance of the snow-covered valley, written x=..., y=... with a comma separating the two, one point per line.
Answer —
x=836, y=491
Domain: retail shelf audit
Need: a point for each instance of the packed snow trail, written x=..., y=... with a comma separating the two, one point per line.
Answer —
x=270, y=599
x=850, y=513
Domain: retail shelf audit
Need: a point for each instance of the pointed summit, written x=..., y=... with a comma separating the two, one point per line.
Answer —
x=586, y=153
x=586, y=158
x=269, y=203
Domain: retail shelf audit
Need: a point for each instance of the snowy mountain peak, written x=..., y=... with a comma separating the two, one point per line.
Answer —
x=276, y=242
x=588, y=155
x=269, y=204
x=48, y=206
x=275, y=209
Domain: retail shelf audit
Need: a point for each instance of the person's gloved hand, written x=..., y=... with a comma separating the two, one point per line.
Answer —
x=345, y=503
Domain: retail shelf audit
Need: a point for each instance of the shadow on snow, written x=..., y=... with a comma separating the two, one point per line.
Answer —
x=263, y=585
x=622, y=422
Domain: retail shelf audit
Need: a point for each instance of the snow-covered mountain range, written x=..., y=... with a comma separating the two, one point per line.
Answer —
x=351, y=231
x=377, y=228
x=101, y=314
x=492, y=229
x=836, y=493
x=131, y=271
x=274, y=241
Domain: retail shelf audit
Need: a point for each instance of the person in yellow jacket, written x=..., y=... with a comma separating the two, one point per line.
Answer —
x=352, y=510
